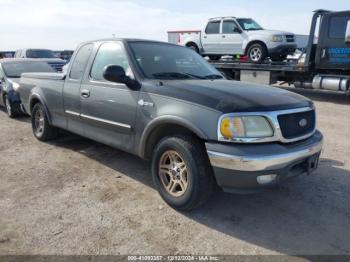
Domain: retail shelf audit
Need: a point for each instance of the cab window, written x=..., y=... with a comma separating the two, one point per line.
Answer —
x=80, y=62
x=109, y=54
x=213, y=27
x=337, y=26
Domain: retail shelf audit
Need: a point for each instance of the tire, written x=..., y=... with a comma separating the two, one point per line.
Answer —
x=11, y=111
x=278, y=58
x=193, y=47
x=257, y=53
x=190, y=183
x=214, y=57
x=42, y=130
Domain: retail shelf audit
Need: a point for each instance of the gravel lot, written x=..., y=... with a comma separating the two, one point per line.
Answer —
x=75, y=196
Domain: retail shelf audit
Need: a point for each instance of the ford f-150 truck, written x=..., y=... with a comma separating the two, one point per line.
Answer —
x=164, y=102
x=43, y=55
x=238, y=36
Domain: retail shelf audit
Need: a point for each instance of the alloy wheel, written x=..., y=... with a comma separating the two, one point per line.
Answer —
x=173, y=173
x=8, y=106
x=39, y=122
x=255, y=54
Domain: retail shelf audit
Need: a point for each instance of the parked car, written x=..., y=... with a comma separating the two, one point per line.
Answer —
x=164, y=102
x=64, y=55
x=44, y=55
x=10, y=73
x=6, y=54
x=237, y=36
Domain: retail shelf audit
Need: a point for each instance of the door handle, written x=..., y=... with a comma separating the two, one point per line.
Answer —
x=85, y=93
x=205, y=36
x=223, y=36
x=323, y=53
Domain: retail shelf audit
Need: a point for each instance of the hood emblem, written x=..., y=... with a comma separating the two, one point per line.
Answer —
x=303, y=122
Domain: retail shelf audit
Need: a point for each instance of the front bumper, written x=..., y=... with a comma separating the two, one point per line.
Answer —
x=283, y=49
x=237, y=167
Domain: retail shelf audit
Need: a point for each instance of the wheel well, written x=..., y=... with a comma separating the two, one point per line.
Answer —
x=33, y=103
x=162, y=131
x=192, y=44
x=252, y=43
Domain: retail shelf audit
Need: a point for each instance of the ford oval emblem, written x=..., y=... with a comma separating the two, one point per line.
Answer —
x=303, y=122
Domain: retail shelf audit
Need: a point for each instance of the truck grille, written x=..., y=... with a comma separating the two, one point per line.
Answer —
x=297, y=124
x=290, y=38
x=57, y=66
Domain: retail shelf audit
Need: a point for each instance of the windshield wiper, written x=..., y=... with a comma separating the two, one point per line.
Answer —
x=214, y=76
x=176, y=75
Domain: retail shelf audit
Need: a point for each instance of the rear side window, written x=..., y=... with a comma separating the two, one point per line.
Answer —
x=80, y=62
x=109, y=54
x=337, y=26
x=213, y=27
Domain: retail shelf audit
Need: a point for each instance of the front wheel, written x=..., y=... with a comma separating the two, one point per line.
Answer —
x=42, y=130
x=257, y=53
x=182, y=173
x=11, y=112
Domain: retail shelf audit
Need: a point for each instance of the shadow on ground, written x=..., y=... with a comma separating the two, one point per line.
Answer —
x=307, y=215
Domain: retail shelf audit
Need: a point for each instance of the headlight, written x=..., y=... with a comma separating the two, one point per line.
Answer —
x=237, y=127
x=277, y=38
x=15, y=86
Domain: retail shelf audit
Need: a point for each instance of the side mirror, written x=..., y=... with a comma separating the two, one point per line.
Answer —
x=347, y=33
x=116, y=74
x=237, y=30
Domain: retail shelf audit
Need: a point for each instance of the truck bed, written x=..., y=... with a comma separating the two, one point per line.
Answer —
x=44, y=85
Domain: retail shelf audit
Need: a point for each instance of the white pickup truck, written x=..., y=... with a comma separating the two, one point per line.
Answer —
x=237, y=36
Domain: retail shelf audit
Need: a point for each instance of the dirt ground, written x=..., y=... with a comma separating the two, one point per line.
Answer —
x=75, y=196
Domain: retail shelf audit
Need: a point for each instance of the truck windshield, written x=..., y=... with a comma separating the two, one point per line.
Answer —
x=165, y=61
x=249, y=24
x=40, y=53
x=15, y=69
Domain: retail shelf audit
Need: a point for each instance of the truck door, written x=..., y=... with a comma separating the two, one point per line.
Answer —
x=109, y=109
x=211, y=38
x=232, y=40
x=71, y=90
x=333, y=51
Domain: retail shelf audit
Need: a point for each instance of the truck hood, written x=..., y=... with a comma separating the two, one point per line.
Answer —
x=232, y=96
x=266, y=32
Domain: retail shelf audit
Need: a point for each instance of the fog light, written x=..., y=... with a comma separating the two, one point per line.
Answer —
x=267, y=179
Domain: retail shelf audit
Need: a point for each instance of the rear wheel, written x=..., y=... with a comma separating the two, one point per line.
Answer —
x=193, y=47
x=182, y=173
x=42, y=130
x=257, y=53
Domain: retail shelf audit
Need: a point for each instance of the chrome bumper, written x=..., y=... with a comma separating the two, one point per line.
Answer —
x=262, y=157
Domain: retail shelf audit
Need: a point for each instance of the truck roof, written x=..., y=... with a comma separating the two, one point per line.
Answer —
x=227, y=17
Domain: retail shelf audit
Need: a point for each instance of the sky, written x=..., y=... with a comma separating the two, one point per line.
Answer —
x=63, y=24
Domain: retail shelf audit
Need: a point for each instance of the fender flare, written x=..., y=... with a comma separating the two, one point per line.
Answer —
x=36, y=96
x=151, y=126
